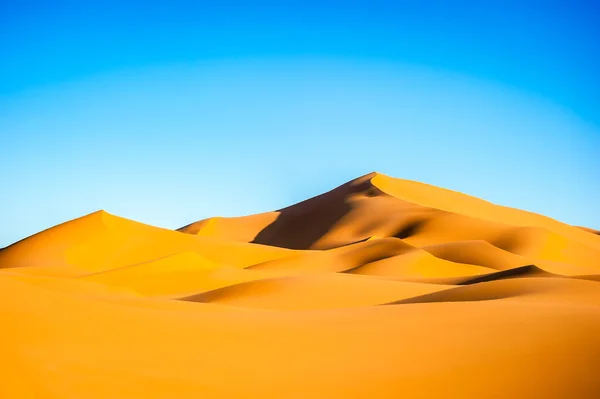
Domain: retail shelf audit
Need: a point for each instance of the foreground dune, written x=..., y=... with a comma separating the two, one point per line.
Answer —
x=380, y=288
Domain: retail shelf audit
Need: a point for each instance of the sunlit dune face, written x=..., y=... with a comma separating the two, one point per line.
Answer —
x=378, y=288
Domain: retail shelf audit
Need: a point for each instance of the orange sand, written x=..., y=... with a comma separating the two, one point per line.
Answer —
x=380, y=288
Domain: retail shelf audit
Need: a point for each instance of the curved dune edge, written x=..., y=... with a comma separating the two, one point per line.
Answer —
x=588, y=230
x=379, y=288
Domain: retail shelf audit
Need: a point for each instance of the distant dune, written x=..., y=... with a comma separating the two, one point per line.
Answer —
x=380, y=288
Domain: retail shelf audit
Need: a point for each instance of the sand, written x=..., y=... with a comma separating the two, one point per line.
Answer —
x=380, y=288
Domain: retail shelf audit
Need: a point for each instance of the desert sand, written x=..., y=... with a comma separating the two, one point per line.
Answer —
x=380, y=288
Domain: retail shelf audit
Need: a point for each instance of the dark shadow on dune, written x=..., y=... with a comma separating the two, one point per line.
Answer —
x=588, y=277
x=458, y=294
x=463, y=293
x=378, y=251
x=523, y=271
x=366, y=261
x=208, y=296
x=409, y=229
x=589, y=230
x=301, y=225
x=235, y=290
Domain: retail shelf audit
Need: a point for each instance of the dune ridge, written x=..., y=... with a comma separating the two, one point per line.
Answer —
x=379, y=288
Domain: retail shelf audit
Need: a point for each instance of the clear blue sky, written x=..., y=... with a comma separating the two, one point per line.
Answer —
x=170, y=112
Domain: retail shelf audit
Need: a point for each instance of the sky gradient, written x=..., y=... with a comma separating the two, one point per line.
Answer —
x=169, y=113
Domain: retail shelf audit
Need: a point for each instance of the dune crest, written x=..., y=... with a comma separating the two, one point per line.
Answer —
x=379, y=288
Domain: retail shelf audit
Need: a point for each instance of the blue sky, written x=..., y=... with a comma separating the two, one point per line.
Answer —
x=171, y=112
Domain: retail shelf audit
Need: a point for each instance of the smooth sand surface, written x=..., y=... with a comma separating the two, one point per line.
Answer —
x=380, y=288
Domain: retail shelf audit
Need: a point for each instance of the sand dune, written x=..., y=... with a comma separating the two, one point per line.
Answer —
x=101, y=241
x=315, y=292
x=478, y=252
x=379, y=288
x=548, y=291
x=587, y=229
x=176, y=275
